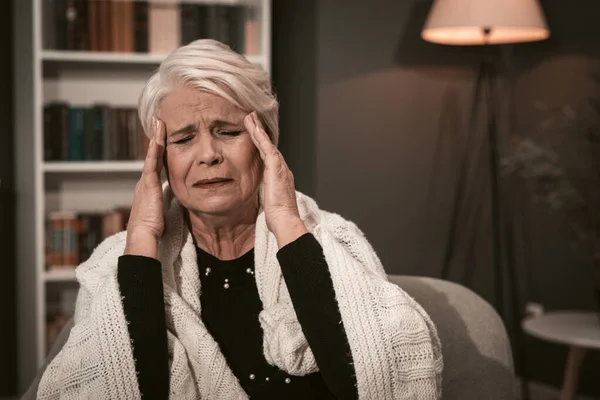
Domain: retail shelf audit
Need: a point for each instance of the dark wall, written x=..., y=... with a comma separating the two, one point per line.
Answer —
x=558, y=73
x=8, y=340
x=377, y=129
x=390, y=115
x=294, y=75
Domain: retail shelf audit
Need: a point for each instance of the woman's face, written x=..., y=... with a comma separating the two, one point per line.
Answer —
x=213, y=165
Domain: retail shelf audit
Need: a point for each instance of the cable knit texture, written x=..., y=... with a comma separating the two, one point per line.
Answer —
x=395, y=346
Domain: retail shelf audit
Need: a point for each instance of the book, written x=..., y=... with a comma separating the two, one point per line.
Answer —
x=72, y=236
x=95, y=133
x=153, y=26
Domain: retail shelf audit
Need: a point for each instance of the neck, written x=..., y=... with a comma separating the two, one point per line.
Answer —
x=225, y=236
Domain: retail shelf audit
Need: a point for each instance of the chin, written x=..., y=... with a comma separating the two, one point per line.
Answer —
x=216, y=204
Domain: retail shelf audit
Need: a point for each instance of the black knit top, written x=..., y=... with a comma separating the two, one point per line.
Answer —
x=230, y=309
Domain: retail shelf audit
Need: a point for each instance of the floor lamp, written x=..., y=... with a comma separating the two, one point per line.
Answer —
x=488, y=23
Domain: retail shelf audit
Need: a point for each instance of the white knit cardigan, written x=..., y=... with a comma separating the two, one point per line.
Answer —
x=395, y=346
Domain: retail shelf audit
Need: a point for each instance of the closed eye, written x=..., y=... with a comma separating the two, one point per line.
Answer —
x=231, y=133
x=184, y=140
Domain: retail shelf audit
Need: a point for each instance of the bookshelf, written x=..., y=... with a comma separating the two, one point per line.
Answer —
x=92, y=166
x=62, y=275
x=53, y=56
x=53, y=182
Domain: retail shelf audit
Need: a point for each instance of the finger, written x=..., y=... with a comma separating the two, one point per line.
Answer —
x=160, y=137
x=261, y=138
x=251, y=127
x=153, y=158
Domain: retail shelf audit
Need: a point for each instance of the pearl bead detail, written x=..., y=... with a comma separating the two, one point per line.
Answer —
x=287, y=380
x=207, y=271
x=267, y=379
x=252, y=376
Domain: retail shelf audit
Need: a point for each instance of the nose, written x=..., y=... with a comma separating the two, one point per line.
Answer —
x=208, y=151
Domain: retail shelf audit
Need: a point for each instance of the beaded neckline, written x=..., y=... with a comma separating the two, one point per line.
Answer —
x=225, y=273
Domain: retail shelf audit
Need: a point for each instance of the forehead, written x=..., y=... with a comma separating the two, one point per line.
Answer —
x=188, y=102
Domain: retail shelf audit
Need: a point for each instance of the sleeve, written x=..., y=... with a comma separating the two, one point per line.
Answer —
x=140, y=283
x=97, y=356
x=310, y=286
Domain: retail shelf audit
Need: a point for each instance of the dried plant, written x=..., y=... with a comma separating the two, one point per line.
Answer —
x=561, y=161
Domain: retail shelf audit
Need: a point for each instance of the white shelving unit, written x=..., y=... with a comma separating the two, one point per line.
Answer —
x=119, y=58
x=63, y=275
x=92, y=166
x=79, y=78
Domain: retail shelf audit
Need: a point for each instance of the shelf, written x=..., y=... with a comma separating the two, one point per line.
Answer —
x=104, y=57
x=62, y=274
x=92, y=166
x=45, y=74
x=61, y=56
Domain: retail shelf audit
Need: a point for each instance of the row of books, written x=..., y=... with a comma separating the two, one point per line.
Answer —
x=71, y=236
x=96, y=133
x=146, y=26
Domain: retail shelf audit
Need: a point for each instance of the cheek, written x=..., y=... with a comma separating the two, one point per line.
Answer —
x=256, y=165
x=248, y=163
x=177, y=165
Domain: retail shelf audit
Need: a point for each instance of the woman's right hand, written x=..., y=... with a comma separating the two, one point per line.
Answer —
x=146, y=220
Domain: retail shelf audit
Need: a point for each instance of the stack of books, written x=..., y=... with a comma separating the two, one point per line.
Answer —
x=96, y=133
x=71, y=236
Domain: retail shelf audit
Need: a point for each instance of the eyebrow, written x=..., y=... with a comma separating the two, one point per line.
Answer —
x=187, y=129
x=215, y=124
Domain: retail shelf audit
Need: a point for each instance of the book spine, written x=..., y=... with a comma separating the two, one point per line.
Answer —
x=60, y=18
x=128, y=27
x=78, y=17
x=140, y=16
x=49, y=24
x=50, y=153
x=76, y=134
x=163, y=26
x=188, y=23
x=94, y=25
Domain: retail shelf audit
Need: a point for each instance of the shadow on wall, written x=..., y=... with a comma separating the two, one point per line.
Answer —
x=573, y=32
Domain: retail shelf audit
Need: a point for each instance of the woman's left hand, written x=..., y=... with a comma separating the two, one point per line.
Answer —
x=278, y=192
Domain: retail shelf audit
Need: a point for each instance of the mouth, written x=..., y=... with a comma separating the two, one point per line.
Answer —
x=212, y=183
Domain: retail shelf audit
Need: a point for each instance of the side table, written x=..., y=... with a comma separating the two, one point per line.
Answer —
x=577, y=329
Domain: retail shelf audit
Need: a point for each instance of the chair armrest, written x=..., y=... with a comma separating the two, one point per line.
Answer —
x=478, y=361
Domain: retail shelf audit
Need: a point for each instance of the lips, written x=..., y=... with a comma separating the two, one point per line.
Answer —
x=213, y=182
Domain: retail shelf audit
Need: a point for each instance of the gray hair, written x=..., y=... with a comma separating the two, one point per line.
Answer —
x=211, y=66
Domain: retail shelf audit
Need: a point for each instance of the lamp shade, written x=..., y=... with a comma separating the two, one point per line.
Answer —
x=478, y=22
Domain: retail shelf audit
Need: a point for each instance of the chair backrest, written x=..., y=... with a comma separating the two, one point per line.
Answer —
x=478, y=361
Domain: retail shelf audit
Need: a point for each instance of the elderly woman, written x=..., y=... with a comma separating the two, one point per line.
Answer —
x=228, y=283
